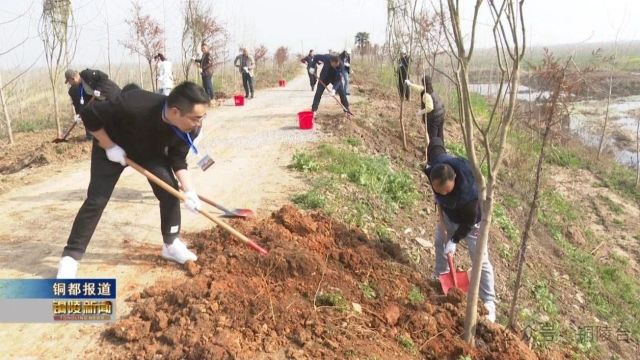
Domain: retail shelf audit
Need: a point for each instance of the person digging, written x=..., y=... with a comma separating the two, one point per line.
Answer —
x=86, y=86
x=331, y=74
x=432, y=109
x=154, y=130
x=456, y=194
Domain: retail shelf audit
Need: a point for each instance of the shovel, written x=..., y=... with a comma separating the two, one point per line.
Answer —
x=250, y=243
x=64, y=137
x=240, y=213
x=453, y=278
x=336, y=99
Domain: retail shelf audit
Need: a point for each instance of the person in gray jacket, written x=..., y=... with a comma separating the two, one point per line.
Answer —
x=244, y=62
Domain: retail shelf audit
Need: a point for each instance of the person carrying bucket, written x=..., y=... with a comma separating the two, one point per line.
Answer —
x=456, y=194
x=312, y=68
x=244, y=62
x=154, y=130
x=331, y=74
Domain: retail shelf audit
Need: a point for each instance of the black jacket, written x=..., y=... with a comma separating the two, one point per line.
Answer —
x=310, y=60
x=97, y=80
x=206, y=64
x=329, y=75
x=462, y=205
x=133, y=120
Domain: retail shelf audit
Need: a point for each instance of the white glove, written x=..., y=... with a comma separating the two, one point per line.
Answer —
x=332, y=92
x=246, y=69
x=117, y=154
x=312, y=71
x=450, y=248
x=96, y=93
x=408, y=82
x=420, y=113
x=192, y=202
x=77, y=119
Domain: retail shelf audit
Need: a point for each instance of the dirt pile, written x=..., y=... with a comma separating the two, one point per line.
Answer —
x=325, y=291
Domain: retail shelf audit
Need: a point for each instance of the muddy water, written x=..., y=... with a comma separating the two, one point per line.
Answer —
x=587, y=118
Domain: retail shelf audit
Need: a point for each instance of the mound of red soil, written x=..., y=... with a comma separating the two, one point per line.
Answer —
x=325, y=291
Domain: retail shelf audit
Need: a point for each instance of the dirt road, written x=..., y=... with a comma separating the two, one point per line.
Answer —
x=252, y=145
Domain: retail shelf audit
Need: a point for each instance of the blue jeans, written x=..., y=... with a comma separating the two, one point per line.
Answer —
x=487, y=280
x=345, y=75
x=207, y=84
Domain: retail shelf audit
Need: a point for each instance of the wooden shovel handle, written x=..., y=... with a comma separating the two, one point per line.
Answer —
x=182, y=198
x=452, y=270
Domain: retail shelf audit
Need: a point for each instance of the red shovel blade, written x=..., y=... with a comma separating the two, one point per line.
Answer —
x=453, y=278
x=241, y=213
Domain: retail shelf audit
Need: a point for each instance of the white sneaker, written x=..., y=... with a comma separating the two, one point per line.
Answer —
x=491, y=309
x=178, y=252
x=67, y=268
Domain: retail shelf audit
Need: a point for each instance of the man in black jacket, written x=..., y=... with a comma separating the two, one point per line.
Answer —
x=155, y=131
x=87, y=85
x=206, y=68
x=456, y=194
x=331, y=73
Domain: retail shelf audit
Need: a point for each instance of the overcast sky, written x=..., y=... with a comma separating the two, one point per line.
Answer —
x=298, y=24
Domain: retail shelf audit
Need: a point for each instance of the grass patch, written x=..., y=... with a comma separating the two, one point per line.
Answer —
x=415, y=296
x=611, y=292
x=303, y=161
x=406, y=343
x=504, y=252
x=506, y=225
x=333, y=299
x=353, y=141
x=612, y=205
x=367, y=290
x=374, y=173
x=310, y=200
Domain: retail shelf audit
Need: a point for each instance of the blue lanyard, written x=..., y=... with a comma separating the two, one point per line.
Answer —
x=184, y=136
x=81, y=94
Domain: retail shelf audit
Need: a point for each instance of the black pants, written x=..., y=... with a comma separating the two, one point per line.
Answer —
x=339, y=90
x=435, y=127
x=207, y=84
x=312, y=79
x=403, y=89
x=104, y=176
x=247, y=82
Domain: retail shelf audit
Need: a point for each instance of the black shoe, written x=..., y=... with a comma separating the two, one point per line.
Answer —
x=252, y=96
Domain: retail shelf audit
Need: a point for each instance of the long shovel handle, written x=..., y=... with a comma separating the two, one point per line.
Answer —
x=64, y=137
x=182, y=198
x=452, y=270
x=215, y=204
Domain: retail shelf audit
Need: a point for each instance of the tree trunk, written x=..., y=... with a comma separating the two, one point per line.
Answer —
x=154, y=85
x=402, y=130
x=471, y=315
x=527, y=229
x=56, y=110
x=6, y=113
x=606, y=118
x=140, y=72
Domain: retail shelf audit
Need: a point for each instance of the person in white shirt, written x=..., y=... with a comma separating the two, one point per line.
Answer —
x=164, y=77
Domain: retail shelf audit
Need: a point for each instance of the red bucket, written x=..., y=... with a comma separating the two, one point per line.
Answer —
x=281, y=82
x=238, y=100
x=305, y=119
